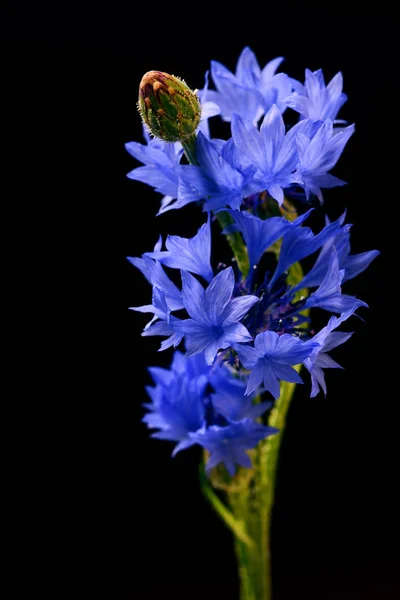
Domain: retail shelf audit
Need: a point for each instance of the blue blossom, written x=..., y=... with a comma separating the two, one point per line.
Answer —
x=221, y=383
x=275, y=87
x=156, y=275
x=329, y=294
x=218, y=179
x=299, y=242
x=228, y=445
x=238, y=93
x=166, y=326
x=237, y=406
x=177, y=408
x=191, y=254
x=161, y=160
x=258, y=234
x=166, y=298
x=240, y=345
x=315, y=100
x=318, y=155
x=250, y=92
x=327, y=340
x=351, y=264
x=215, y=316
x=191, y=366
x=159, y=307
x=271, y=358
x=273, y=152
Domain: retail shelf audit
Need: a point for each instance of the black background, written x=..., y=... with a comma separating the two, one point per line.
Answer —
x=118, y=516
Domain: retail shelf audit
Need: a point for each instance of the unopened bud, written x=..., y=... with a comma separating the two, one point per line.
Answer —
x=169, y=109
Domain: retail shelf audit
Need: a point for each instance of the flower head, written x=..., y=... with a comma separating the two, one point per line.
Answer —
x=318, y=155
x=250, y=92
x=218, y=179
x=169, y=108
x=329, y=294
x=161, y=160
x=177, y=408
x=191, y=254
x=228, y=445
x=326, y=340
x=271, y=150
x=271, y=358
x=351, y=264
x=315, y=100
x=214, y=314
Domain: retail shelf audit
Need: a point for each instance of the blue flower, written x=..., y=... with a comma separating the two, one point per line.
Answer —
x=351, y=264
x=318, y=358
x=191, y=254
x=156, y=275
x=258, y=234
x=318, y=155
x=228, y=445
x=159, y=307
x=250, y=92
x=238, y=93
x=161, y=160
x=218, y=180
x=237, y=406
x=273, y=152
x=271, y=358
x=215, y=316
x=315, y=100
x=329, y=294
x=299, y=242
x=191, y=366
x=177, y=408
x=166, y=298
x=165, y=326
x=275, y=87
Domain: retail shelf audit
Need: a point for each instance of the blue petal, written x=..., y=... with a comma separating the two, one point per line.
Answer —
x=357, y=263
x=188, y=254
x=236, y=333
x=286, y=373
x=259, y=235
x=271, y=381
x=237, y=308
x=256, y=378
x=218, y=294
x=273, y=133
x=248, y=140
x=248, y=355
x=266, y=342
x=247, y=69
x=193, y=296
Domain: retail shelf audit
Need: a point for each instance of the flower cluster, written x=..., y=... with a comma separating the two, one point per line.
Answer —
x=244, y=329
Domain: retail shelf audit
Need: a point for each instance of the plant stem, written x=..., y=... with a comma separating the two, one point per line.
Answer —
x=251, y=499
x=253, y=507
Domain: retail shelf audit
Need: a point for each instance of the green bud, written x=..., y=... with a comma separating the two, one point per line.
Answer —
x=169, y=109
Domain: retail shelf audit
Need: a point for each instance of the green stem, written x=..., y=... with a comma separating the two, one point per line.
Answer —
x=189, y=147
x=237, y=527
x=236, y=243
x=251, y=499
x=253, y=507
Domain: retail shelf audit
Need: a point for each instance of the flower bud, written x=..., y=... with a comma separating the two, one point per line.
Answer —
x=169, y=109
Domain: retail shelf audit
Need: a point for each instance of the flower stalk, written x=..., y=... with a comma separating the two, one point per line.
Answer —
x=250, y=500
x=247, y=330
